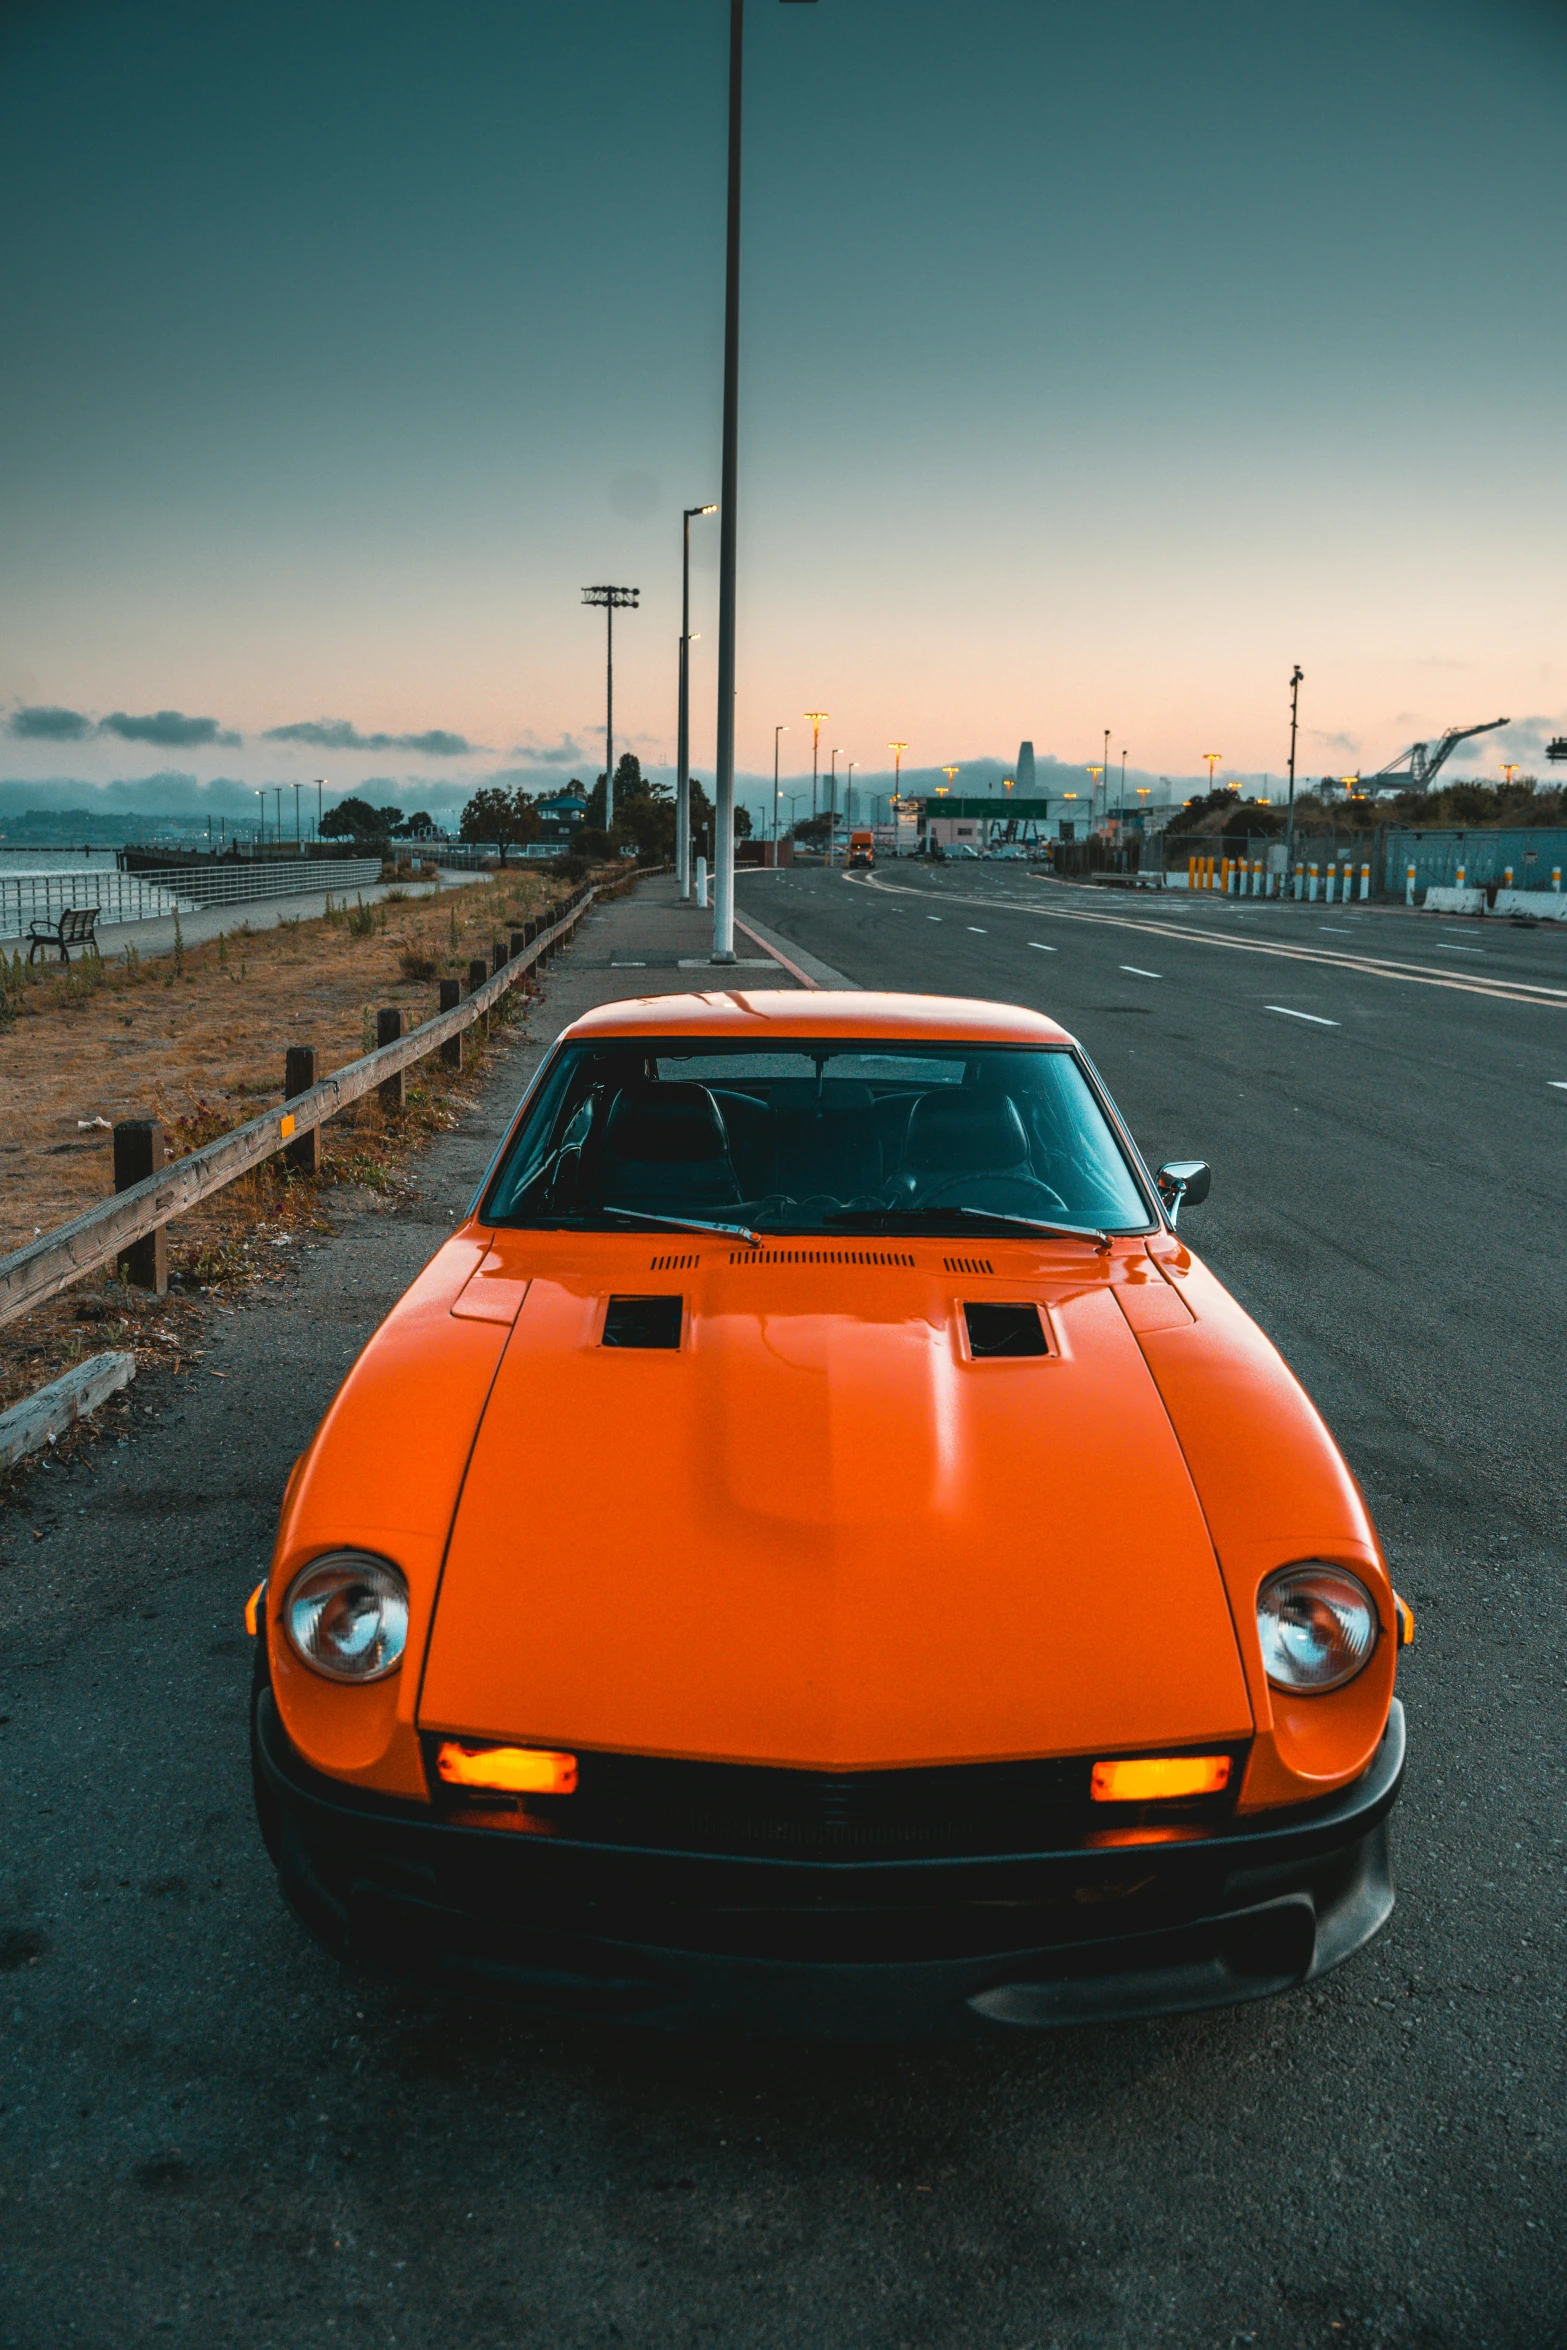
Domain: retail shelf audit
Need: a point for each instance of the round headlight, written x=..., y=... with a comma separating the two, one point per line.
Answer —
x=1318, y=1626
x=347, y=1615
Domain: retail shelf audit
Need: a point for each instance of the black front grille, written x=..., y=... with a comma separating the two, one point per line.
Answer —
x=753, y=1811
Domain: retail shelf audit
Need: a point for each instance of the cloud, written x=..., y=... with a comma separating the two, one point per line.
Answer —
x=336, y=734
x=566, y=753
x=42, y=723
x=169, y=728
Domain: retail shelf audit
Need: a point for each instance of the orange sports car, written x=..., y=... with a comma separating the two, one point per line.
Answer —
x=815, y=1551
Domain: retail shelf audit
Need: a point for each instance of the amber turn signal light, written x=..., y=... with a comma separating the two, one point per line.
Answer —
x=1146, y=1778
x=511, y=1770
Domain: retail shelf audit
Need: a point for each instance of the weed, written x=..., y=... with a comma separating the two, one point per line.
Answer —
x=132, y=961
x=361, y=919
x=398, y=897
x=366, y=1028
x=414, y=963
x=223, y=948
x=451, y=929
x=179, y=946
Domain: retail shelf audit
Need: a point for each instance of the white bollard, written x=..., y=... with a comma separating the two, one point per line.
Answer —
x=1365, y=883
x=1556, y=879
x=701, y=882
x=1409, y=885
x=1311, y=887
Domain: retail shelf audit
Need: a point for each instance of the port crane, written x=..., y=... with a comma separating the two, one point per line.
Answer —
x=1416, y=769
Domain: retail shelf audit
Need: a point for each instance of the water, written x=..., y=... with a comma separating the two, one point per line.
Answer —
x=20, y=864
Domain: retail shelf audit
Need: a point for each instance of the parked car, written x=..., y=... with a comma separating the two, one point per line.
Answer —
x=816, y=1551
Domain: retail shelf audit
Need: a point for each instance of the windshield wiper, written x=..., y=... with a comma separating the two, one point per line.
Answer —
x=688, y=1224
x=1034, y=1224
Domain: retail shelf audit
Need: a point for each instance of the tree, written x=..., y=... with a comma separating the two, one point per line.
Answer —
x=814, y=831
x=506, y=818
x=354, y=820
x=742, y=822
x=418, y=826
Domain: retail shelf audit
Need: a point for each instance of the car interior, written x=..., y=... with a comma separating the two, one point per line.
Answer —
x=793, y=1139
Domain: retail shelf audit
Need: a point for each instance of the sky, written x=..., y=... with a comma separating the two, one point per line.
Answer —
x=1097, y=366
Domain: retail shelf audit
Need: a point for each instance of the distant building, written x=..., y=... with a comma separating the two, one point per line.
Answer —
x=559, y=817
x=1024, y=777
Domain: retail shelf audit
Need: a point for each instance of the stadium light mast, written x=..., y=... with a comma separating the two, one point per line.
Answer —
x=816, y=717
x=610, y=600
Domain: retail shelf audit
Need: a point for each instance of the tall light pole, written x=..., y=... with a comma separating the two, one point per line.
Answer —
x=296, y=816
x=610, y=600
x=777, y=731
x=1213, y=758
x=816, y=717
x=261, y=795
x=683, y=744
x=848, y=795
x=277, y=829
x=1121, y=803
x=897, y=750
x=832, y=802
x=320, y=788
x=728, y=498
x=1296, y=674
x=1107, y=771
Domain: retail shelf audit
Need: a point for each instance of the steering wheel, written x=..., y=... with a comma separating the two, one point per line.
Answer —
x=1009, y=1195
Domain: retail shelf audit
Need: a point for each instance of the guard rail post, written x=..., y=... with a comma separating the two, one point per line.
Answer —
x=139, y=1152
x=393, y=1090
x=451, y=997
x=300, y=1073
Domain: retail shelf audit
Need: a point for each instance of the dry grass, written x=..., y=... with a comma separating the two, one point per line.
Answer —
x=202, y=1047
x=198, y=1040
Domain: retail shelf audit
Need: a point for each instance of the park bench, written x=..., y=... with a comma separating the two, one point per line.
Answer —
x=75, y=928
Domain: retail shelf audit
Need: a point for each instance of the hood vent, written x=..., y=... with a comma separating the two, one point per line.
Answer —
x=819, y=1256
x=643, y=1321
x=968, y=1264
x=995, y=1330
x=673, y=1264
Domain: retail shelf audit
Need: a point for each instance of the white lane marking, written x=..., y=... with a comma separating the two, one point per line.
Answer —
x=1315, y=1018
x=933, y=917
x=978, y=933
x=1044, y=950
x=1337, y=929
x=1558, y=1084
x=1140, y=974
x=1499, y=989
x=1443, y=948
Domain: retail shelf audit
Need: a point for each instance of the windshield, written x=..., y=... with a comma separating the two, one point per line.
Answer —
x=814, y=1137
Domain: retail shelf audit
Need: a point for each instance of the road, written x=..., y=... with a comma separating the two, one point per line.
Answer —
x=211, y=2134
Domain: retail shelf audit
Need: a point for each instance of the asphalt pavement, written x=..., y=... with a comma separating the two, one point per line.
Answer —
x=211, y=2133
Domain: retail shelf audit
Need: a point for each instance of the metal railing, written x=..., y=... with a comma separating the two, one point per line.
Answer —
x=144, y=897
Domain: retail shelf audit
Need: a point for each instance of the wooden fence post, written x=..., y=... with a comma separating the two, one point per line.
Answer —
x=451, y=997
x=299, y=1075
x=138, y=1153
x=519, y=940
x=478, y=973
x=388, y=1028
x=497, y=954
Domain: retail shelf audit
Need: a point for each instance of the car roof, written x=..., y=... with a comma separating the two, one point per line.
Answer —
x=838, y=1013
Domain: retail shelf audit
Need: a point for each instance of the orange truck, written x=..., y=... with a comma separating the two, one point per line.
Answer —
x=862, y=848
x=594, y=1668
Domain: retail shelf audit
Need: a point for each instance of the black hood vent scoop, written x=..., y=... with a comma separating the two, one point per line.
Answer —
x=644, y=1321
x=995, y=1331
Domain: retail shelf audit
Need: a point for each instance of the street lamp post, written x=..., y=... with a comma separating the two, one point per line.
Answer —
x=610, y=600
x=832, y=803
x=277, y=829
x=320, y=788
x=1213, y=758
x=848, y=795
x=1107, y=771
x=1296, y=675
x=262, y=797
x=777, y=731
x=728, y=498
x=683, y=744
x=296, y=816
x=816, y=717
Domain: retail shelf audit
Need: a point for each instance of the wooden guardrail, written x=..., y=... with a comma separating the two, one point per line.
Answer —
x=51, y=1263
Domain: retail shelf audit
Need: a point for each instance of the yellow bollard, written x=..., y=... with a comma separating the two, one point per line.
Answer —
x=1191, y=873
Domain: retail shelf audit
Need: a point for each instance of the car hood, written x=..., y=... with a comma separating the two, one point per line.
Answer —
x=819, y=1534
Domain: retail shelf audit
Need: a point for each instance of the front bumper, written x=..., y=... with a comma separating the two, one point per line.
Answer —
x=836, y=1949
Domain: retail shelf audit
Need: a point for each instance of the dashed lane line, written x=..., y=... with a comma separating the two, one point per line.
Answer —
x=1138, y=973
x=1043, y=949
x=1315, y=1018
x=1519, y=991
x=976, y=932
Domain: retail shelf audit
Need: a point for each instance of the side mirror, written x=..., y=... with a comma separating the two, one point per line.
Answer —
x=1183, y=1183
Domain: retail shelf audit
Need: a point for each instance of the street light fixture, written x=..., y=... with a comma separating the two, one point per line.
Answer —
x=1213, y=758
x=848, y=795
x=683, y=730
x=897, y=750
x=261, y=795
x=1296, y=674
x=610, y=600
